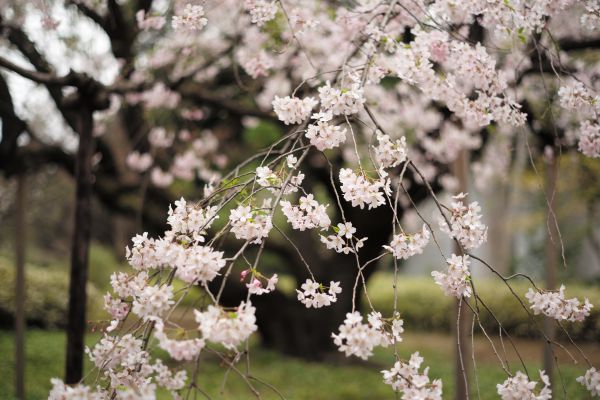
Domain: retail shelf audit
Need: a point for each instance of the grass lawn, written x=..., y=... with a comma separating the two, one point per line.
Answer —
x=296, y=379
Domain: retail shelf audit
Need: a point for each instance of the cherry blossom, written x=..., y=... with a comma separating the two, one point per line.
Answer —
x=153, y=301
x=553, y=304
x=316, y=295
x=591, y=381
x=190, y=18
x=248, y=224
x=390, y=154
x=465, y=223
x=405, y=377
x=347, y=101
x=309, y=214
x=404, y=246
x=361, y=190
x=255, y=286
x=358, y=339
x=589, y=139
x=60, y=391
x=292, y=110
x=324, y=136
x=228, y=328
x=187, y=349
x=344, y=240
x=139, y=162
x=519, y=387
x=455, y=281
x=261, y=11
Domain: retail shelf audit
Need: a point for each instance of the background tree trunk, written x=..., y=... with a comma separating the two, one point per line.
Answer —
x=550, y=259
x=80, y=248
x=20, y=288
x=463, y=315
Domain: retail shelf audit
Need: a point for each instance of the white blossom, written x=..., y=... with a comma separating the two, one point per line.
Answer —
x=228, y=328
x=341, y=102
x=455, y=281
x=153, y=301
x=315, y=295
x=404, y=246
x=180, y=350
x=360, y=190
x=465, y=223
x=292, y=110
x=324, y=136
x=405, y=377
x=261, y=11
x=390, y=154
x=358, y=338
x=591, y=381
x=309, y=214
x=190, y=18
x=554, y=304
x=589, y=139
x=249, y=224
x=519, y=387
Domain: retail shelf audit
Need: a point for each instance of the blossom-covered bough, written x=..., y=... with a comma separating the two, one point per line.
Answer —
x=379, y=98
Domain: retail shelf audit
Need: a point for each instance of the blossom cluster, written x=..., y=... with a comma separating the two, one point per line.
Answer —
x=190, y=18
x=266, y=178
x=60, y=391
x=180, y=350
x=591, y=381
x=358, y=339
x=577, y=97
x=390, y=153
x=309, y=214
x=324, y=135
x=342, y=241
x=250, y=224
x=228, y=328
x=456, y=280
x=405, y=377
x=362, y=191
x=467, y=68
x=465, y=223
x=261, y=11
x=146, y=22
x=314, y=294
x=519, y=387
x=153, y=301
x=255, y=286
x=589, y=139
x=139, y=162
x=128, y=367
x=553, y=304
x=341, y=102
x=591, y=18
x=404, y=246
x=292, y=110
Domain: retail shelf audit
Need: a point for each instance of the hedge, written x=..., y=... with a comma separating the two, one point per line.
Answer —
x=46, y=296
x=423, y=306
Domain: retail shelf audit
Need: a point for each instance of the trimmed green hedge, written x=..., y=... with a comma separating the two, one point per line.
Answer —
x=423, y=306
x=46, y=296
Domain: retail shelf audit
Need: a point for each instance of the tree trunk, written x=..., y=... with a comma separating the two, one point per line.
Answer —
x=80, y=249
x=463, y=315
x=550, y=259
x=20, y=289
